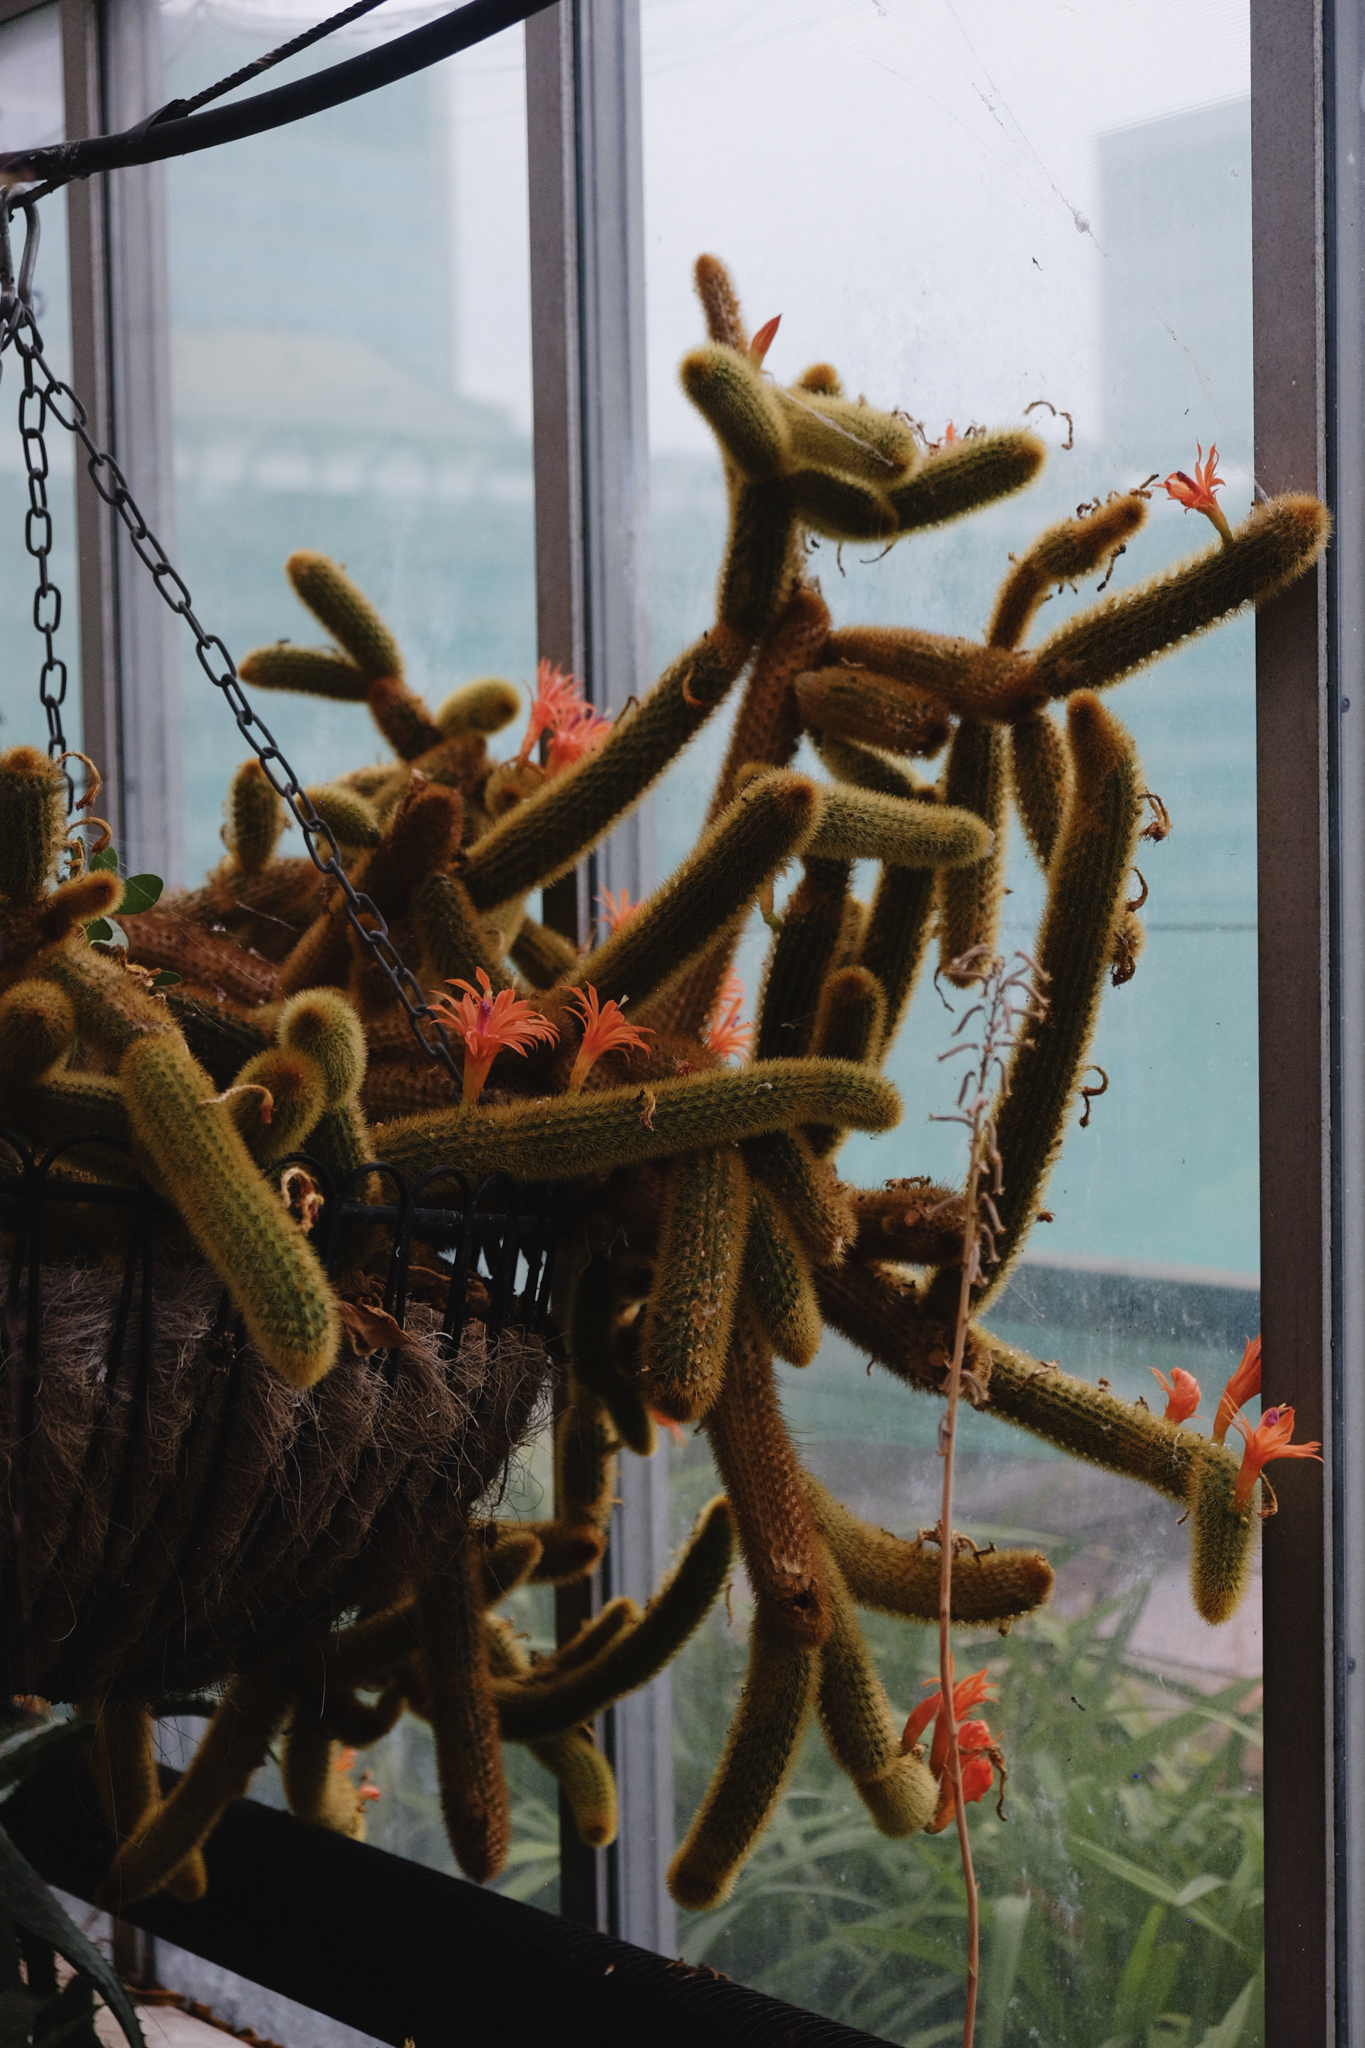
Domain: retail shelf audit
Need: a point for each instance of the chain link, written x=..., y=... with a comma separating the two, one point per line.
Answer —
x=18, y=326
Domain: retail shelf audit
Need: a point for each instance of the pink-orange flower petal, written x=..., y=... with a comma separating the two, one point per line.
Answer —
x=604, y=1030
x=616, y=909
x=763, y=340
x=1196, y=493
x=1183, y=1391
x=489, y=1025
x=1245, y=1383
x=722, y=1032
x=558, y=709
x=1264, y=1444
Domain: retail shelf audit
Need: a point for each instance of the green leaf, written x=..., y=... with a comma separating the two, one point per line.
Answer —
x=99, y=928
x=1144, y=1881
x=27, y=1899
x=165, y=977
x=105, y=863
x=26, y=1752
x=140, y=892
x=1001, y=1966
x=1198, y=1888
x=1230, y=2029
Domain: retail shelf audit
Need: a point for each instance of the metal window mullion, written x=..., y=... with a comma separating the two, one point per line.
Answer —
x=1296, y=1109
x=591, y=481
x=130, y=675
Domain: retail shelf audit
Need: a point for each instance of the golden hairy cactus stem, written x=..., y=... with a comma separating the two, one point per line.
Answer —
x=32, y=823
x=595, y=1348
x=892, y=1576
x=799, y=959
x=761, y=1749
x=37, y=1032
x=742, y=409
x=570, y=1135
x=850, y=1024
x=970, y=897
x=813, y=1200
x=239, y=1223
x=856, y=704
x=690, y=1311
x=320, y=1792
x=1124, y=632
x=768, y=722
x=321, y=1023
x=256, y=818
x=233, y=1748
x=464, y=1719
x=962, y=676
x=572, y=1758
x=842, y=507
x=632, y=1654
x=1087, y=881
x=860, y=1731
x=868, y=769
x=346, y=612
x=767, y=823
x=543, y=957
x=402, y=717
x=1074, y=547
x=754, y=1456
x=350, y=818
x=507, y=1557
x=113, y=1010
x=1040, y=769
x=486, y=706
x=970, y=474
x=830, y=432
x=859, y=824
x=720, y=303
x=778, y=1284
x=457, y=942
x=762, y=561
x=540, y=839
x=313, y=671
x=585, y=1466
x=123, y=1764
x=275, y=1101
x=910, y=1220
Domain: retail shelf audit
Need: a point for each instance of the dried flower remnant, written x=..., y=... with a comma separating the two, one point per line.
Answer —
x=723, y=1034
x=1268, y=1441
x=489, y=1025
x=1245, y=1383
x=1182, y=1389
x=604, y=1030
x=1196, y=493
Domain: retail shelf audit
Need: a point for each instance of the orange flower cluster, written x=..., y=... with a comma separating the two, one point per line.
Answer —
x=604, y=1030
x=1196, y=493
x=506, y=1022
x=558, y=709
x=723, y=1032
x=979, y=1751
x=1271, y=1437
x=1183, y=1390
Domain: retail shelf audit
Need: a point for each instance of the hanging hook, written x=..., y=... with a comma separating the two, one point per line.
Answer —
x=13, y=296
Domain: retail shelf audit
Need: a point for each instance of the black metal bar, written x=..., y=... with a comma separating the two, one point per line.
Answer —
x=402, y=1952
x=153, y=141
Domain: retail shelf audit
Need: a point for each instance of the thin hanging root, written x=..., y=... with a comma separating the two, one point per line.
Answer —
x=233, y=1747
x=970, y=897
x=782, y=1550
x=760, y=1754
x=631, y=1656
x=690, y=1312
x=860, y=1730
x=890, y=1576
x=464, y=1719
x=778, y=1284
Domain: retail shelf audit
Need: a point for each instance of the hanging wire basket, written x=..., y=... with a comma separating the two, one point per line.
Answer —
x=176, y=1512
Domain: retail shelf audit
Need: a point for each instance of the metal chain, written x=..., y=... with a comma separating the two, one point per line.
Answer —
x=17, y=325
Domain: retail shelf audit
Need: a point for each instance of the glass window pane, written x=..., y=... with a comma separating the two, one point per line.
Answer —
x=350, y=327
x=30, y=115
x=979, y=217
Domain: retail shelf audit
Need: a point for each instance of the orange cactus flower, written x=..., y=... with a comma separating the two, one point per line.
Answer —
x=976, y=1747
x=489, y=1025
x=368, y=1791
x=722, y=1031
x=1195, y=492
x=558, y=708
x=1245, y=1382
x=1268, y=1441
x=617, y=909
x=675, y=1429
x=604, y=1030
x=1183, y=1389
x=763, y=340
x=950, y=434
x=967, y=1692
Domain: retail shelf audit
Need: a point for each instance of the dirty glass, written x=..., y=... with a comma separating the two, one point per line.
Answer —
x=31, y=114
x=973, y=210
x=351, y=371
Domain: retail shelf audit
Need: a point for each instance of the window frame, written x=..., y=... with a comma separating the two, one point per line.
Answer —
x=586, y=189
